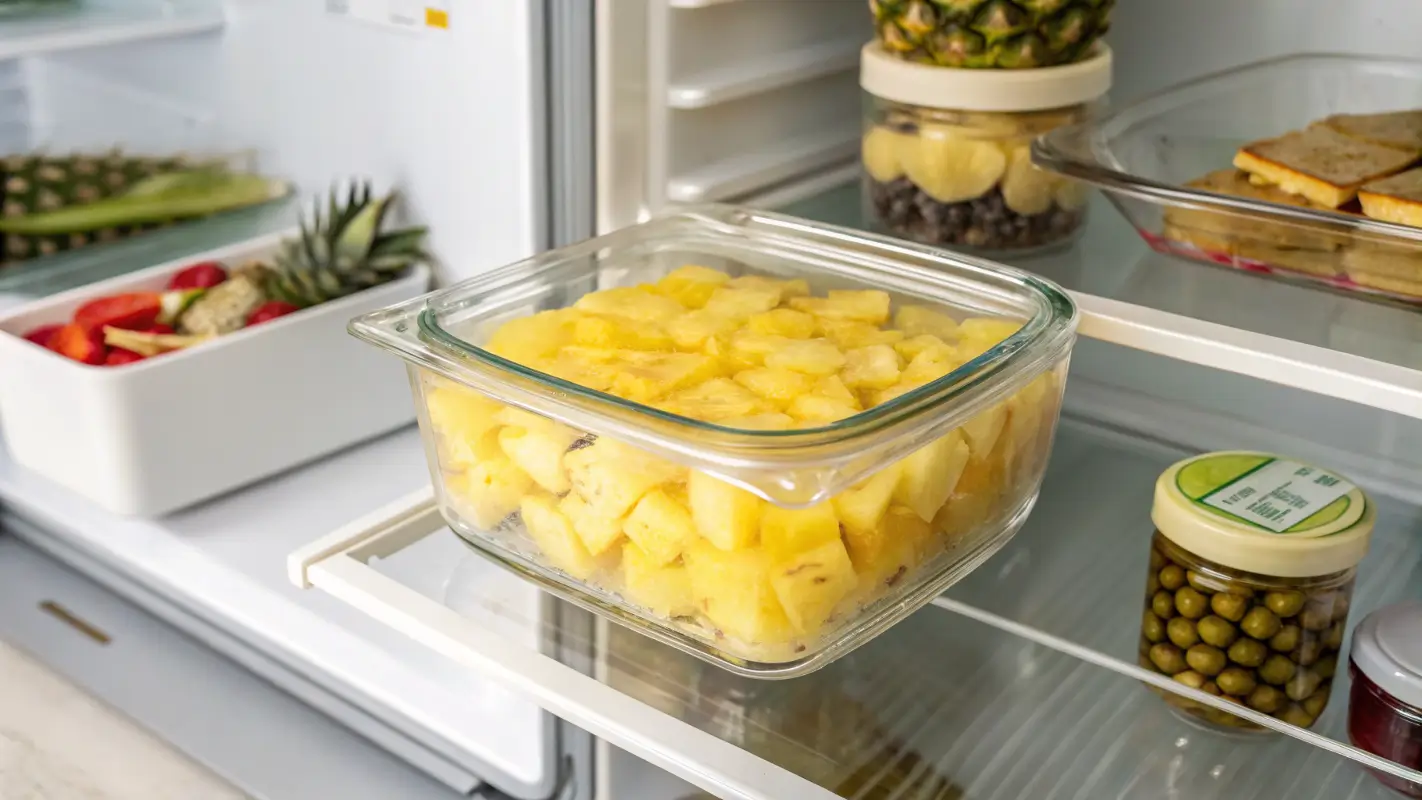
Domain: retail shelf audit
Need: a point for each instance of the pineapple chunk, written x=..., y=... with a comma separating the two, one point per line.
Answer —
x=780, y=386
x=599, y=534
x=691, y=285
x=791, y=288
x=529, y=339
x=742, y=303
x=849, y=334
x=786, y=532
x=643, y=383
x=725, y=515
x=882, y=556
x=464, y=423
x=932, y=364
x=873, y=367
x=715, y=400
x=691, y=330
x=594, y=331
x=751, y=348
x=733, y=590
x=783, y=322
x=810, y=356
x=1024, y=421
x=984, y=332
x=910, y=348
x=661, y=527
x=820, y=410
x=983, y=429
x=765, y=421
x=832, y=387
x=457, y=411
x=539, y=452
x=811, y=585
x=860, y=305
x=518, y=418
x=611, y=478
x=974, y=499
x=861, y=508
x=917, y=321
x=931, y=473
x=554, y=535
x=489, y=491
x=661, y=588
x=630, y=302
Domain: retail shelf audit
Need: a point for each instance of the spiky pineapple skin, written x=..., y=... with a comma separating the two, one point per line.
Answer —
x=991, y=34
x=35, y=182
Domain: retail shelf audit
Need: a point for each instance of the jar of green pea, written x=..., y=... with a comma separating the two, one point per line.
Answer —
x=1251, y=576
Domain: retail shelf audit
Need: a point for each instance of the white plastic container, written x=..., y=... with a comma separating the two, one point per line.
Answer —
x=152, y=437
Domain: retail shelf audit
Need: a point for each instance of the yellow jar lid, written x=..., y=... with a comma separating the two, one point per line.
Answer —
x=1265, y=514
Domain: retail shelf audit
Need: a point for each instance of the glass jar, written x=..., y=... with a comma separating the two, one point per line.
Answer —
x=946, y=153
x=1251, y=578
x=1385, y=705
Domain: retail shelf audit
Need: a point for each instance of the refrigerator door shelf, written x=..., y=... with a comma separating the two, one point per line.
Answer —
x=1017, y=660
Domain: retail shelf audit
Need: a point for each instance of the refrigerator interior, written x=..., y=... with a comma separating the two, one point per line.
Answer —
x=680, y=100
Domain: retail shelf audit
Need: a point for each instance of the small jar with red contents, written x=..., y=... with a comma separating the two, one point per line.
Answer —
x=1385, y=704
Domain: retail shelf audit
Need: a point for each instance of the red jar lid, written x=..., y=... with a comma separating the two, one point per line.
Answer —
x=1387, y=647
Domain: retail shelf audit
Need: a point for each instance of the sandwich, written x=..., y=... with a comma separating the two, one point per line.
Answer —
x=1394, y=199
x=1235, y=234
x=1322, y=165
x=1399, y=129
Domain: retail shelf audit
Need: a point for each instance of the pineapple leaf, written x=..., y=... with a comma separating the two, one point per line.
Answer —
x=358, y=237
x=402, y=241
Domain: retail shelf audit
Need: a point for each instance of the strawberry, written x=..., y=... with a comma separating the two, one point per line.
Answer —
x=79, y=343
x=43, y=334
x=198, y=276
x=118, y=356
x=134, y=312
x=270, y=310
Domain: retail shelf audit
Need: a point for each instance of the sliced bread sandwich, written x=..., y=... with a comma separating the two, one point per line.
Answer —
x=1321, y=164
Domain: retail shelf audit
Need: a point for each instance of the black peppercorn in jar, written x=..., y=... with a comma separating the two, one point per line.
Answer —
x=1251, y=578
x=947, y=152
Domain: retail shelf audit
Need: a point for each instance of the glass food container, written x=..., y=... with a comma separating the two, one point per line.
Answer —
x=1251, y=577
x=946, y=152
x=756, y=439
x=1166, y=163
x=1385, y=705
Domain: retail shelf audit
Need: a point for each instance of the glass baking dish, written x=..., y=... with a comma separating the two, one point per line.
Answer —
x=673, y=425
x=1146, y=153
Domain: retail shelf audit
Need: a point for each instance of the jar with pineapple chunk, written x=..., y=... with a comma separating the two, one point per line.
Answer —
x=946, y=152
x=757, y=439
x=1251, y=579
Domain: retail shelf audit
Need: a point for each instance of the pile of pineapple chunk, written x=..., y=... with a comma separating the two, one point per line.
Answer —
x=748, y=352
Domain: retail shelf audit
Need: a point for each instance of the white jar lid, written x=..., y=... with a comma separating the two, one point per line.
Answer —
x=891, y=78
x=1387, y=647
x=1261, y=513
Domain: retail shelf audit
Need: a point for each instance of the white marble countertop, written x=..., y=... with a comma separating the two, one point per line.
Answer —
x=58, y=743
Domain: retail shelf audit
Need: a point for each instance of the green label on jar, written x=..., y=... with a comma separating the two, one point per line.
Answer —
x=1271, y=493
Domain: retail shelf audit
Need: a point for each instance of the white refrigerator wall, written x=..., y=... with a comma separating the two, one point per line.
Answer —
x=450, y=117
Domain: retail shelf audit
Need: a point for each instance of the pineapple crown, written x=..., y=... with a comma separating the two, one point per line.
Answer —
x=341, y=249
